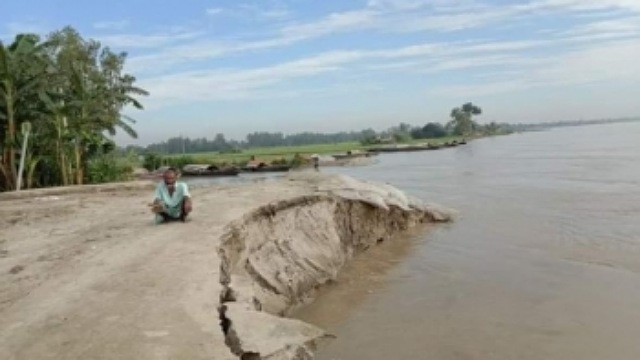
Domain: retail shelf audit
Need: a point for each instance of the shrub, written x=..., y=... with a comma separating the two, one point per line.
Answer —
x=298, y=160
x=152, y=161
x=104, y=168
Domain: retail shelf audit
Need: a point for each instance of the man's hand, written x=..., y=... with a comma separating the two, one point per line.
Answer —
x=187, y=205
x=156, y=207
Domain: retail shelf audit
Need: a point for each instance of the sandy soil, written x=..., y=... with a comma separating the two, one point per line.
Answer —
x=89, y=276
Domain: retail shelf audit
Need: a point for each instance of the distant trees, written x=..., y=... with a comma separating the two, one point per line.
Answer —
x=72, y=91
x=462, y=119
x=462, y=124
x=219, y=143
x=492, y=128
x=429, y=131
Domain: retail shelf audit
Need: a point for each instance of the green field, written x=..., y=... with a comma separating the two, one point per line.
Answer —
x=275, y=152
x=288, y=152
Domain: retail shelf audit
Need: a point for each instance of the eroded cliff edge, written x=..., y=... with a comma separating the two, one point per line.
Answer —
x=275, y=258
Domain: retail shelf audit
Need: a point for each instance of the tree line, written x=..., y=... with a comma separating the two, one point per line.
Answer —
x=461, y=123
x=67, y=94
x=568, y=123
x=177, y=145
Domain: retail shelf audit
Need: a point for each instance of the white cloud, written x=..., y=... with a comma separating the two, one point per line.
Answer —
x=541, y=62
x=436, y=5
x=111, y=25
x=13, y=28
x=145, y=41
x=198, y=51
x=597, y=63
x=253, y=11
x=625, y=25
x=336, y=22
x=387, y=16
x=447, y=15
x=238, y=84
x=214, y=11
x=582, y=5
x=575, y=59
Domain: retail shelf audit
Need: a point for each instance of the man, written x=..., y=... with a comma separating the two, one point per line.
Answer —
x=172, y=200
x=316, y=163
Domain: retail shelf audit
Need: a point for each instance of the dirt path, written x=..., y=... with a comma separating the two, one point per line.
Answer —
x=88, y=276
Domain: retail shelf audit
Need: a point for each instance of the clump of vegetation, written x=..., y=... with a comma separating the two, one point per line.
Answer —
x=371, y=140
x=72, y=91
x=281, y=161
x=298, y=160
x=430, y=131
x=462, y=123
x=152, y=161
x=180, y=162
x=105, y=168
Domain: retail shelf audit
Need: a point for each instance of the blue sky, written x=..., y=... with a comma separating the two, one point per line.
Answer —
x=298, y=65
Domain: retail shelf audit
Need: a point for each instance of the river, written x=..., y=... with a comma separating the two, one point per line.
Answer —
x=542, y=262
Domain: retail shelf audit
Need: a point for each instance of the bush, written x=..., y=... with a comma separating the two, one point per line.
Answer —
x=297, y=160
x=401, y=137
x=152, y=161
x=281, y=161
x=370, y=141
x=179, y=162
x=429, y=131
x=104, y=168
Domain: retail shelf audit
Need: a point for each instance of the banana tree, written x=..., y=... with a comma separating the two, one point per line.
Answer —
x=56, y=122
x=26, y=131
x=21, y=71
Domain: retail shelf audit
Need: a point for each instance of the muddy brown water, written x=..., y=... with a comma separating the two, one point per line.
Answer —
x=542, y=263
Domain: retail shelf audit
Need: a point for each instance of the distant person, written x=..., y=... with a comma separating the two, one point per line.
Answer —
x=172, y=200
x=316, y=163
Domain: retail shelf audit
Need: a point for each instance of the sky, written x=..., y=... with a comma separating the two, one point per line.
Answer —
x=235, y=67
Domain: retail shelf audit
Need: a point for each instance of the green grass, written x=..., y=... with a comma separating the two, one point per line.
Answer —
x=273, y=153
x=437, y=141
x=288, y=152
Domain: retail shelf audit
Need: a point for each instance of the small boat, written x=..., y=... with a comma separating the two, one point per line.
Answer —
x=220, y=172
x=402, y=148
x=352, y=154
x=208, y=170
x=267, y=168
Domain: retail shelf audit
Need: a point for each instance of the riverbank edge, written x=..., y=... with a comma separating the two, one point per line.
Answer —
x=276, y=257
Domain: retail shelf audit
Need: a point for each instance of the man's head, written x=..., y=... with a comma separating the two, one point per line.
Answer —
x=170, y=176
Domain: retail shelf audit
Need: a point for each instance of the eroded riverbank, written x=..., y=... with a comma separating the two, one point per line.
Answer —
x=276, y=258
x=87, y=274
